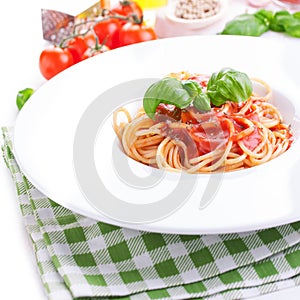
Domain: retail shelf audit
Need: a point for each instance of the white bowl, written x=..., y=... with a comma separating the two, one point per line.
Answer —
x=194, y=24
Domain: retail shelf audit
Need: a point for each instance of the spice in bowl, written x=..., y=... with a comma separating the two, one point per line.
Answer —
x=196, y=9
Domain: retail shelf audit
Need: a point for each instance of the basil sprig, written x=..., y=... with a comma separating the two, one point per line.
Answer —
x=262, y=21
x=23, y=96
x=200, y=100
x=245, y=24
x=228, y=84
x=169, y=91
x=225, y=85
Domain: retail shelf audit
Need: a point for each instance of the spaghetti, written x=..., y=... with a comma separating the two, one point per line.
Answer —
x=230, y=137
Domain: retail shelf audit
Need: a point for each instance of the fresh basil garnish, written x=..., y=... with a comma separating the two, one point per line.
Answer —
x=167, y=90
x=200, y=100
x=228, y=85
x=225, y=85
x=192, y=87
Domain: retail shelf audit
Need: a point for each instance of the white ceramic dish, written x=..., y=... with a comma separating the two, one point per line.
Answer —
x=46, y=130
x=195, y=24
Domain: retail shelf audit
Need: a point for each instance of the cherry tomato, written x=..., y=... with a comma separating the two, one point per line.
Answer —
x=77, y=47
x=54, y=60
x=90, y=39
x=107, y=31
x=132, y=33
x=93, y=52
x=126, y=8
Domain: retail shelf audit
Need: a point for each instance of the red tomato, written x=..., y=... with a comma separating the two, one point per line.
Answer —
x=54, y=60
x=132, y=33
x=127, y=8
x=107, y=31
x=93, y=52
x=77, y=47
x=90, y=39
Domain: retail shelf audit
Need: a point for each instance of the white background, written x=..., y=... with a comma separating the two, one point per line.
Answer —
x=21, y=44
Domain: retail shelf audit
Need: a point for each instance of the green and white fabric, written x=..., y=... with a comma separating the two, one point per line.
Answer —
x=79, y=257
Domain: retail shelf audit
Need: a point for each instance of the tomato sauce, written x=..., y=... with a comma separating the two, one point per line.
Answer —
x=182, y=134
x=252, y=140
x=201, y=79
x=210, y=136
x=206, y=132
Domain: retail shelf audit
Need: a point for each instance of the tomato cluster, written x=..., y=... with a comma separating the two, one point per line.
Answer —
x=120, y=26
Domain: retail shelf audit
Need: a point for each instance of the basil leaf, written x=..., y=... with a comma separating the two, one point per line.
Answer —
x=23, y=96
x=263, y=20
x=245, y=24
x=286, y=22
x=228, y=84
x=281, y=20
x=294, y=30
x=192, y=87
x=202, y=102
x=169, y=91
x=225, y=85
x=266, y=16
x=296, y=15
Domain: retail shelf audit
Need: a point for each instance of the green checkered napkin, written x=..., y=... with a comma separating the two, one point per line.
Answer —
x=82, y=258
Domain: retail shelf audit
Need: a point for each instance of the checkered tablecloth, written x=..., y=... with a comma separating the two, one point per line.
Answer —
x=79, y=257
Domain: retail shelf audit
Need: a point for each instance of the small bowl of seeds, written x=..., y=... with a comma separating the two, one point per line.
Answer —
x=196, y=14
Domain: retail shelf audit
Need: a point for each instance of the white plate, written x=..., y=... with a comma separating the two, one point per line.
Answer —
x=47, y=128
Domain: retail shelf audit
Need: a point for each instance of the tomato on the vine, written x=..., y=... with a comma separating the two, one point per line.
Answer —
x=132, y=33
x=127, y=8
x=54, y=60
x=77, y=46
x=94, y=51
x=90, y=39
x=107, y=31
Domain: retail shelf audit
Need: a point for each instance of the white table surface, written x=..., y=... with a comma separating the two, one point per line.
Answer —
x=21, y=44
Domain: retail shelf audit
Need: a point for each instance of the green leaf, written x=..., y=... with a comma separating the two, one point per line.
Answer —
x=169, y=91
x=296, y=15
x=289, y=23
x=266, y=16
x=294, y=31
x=225, y=85
x=281, y=20
x=263, y=20
x=286, y=22
x=228, y=85
x=245, y=24
x=202, y=102
x=192, y=87
x=23, y=96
